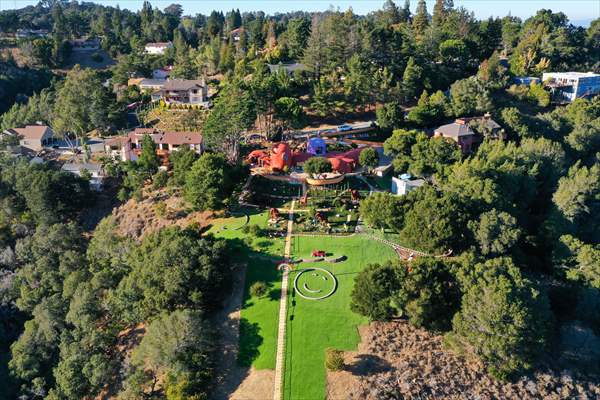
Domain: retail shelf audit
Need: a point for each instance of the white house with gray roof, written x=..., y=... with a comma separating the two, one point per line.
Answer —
x=95, y=171
x=568, y=86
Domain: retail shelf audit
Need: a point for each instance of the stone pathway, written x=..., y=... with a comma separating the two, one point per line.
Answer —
x=280, y=358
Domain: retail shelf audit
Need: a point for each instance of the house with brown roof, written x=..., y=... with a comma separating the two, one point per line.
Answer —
x=32, y=137
x=461, y=131
x=236, y=34
x=127, y=148
x=183, y=91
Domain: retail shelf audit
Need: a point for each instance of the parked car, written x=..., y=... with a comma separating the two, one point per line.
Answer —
x=344, y=128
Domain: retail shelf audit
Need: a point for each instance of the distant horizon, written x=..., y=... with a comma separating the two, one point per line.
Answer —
x=579, y=12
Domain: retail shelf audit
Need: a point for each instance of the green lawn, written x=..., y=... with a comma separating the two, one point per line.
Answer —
x=314, y=325
x=258, y=324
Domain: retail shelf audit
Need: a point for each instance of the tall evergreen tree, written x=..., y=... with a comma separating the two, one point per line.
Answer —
x=440, y=11
x=412, y=80
x=390, y=13
x=421, y=19
x=148, y=159
x=405, y=12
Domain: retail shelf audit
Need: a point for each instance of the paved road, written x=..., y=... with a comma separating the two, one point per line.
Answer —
x=356, y=128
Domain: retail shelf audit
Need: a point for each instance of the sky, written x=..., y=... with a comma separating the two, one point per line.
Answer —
x=578, y=11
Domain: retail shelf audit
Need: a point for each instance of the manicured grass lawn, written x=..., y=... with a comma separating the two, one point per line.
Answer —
x=314, y=325
x=259, y=316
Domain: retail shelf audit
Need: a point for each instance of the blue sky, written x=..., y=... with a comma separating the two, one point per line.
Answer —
x=576, y=10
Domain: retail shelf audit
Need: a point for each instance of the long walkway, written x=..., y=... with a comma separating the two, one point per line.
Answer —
x=280, y=358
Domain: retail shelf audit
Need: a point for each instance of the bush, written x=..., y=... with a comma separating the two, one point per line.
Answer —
x=159, y=180
x=317, y=165
x=334, y=359
x=373, y=288
x=259, y=289
x=369, y=158
x=161, y=209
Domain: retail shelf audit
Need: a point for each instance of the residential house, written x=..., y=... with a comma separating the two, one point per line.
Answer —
x=162, y=73
x=31, y=33
x=157, y=48
x=484, y=125
x=236, y=34
x=461, y=131
x=33, y=137
x=127, y=148
x=404, y=184
x=151, y=85
x=95, y=171
x=568, y=86
x=78, y=45
x=183, y=91
x=119, y=148
x=289, y=69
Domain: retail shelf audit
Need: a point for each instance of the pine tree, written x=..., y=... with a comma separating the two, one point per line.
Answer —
x=390, y=13
x=314, y=52
x=440, y=11
x=405, y=12
x=148, y=160
x=411, y=80
x=421, y=19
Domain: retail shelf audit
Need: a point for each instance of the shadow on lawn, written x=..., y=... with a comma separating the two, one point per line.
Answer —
x=366, y=364
x=274, y=294
x=250, y=340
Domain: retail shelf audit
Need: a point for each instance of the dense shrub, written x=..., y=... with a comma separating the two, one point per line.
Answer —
x=334, y=359
x=259, y=289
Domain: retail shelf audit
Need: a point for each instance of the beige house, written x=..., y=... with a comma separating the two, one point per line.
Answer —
x=183, y=91
x=32, y=137
x=127, y=148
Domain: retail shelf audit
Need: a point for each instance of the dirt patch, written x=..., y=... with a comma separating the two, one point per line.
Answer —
x=397, y=361
x=233, y=381
x=257, y=385
x=157, y=210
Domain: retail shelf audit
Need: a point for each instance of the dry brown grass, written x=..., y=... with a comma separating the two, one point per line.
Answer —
x=138, y=218
x=398, y=361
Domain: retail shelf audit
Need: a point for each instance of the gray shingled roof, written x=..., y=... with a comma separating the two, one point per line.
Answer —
x=153, y=82
x=77, y=167
x=182, y=84
x=454, y=130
